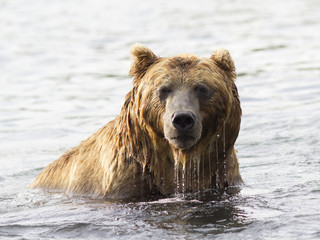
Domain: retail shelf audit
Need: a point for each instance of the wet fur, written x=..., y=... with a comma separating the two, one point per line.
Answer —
x=130, y=157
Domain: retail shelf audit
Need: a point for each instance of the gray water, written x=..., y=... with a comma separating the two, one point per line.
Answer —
x=63, y=74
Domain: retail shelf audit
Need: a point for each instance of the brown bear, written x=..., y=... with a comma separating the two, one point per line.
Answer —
x=175, y=133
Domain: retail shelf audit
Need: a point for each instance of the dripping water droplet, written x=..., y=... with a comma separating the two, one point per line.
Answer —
x=198, y=173
x=224, y=153
x=217, y=162
x=190, y=175
x=210, y=169
x=203, y=172
x=176, y=176
x=183, y=179
x=224, y=138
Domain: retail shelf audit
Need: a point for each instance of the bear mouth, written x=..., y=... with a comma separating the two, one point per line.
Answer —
x=184, y=138
x=182, y=141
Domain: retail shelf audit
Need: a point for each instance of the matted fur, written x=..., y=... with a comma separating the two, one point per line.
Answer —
x=130, y=156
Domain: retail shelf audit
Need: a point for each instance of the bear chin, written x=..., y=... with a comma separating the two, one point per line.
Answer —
x=182, y=142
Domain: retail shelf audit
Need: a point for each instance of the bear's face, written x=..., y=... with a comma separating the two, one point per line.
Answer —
x=183, y=98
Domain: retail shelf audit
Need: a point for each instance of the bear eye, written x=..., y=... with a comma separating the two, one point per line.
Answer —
x=164, y=91
x=201, y=90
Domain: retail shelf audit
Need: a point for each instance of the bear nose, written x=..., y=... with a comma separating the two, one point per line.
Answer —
x=183, y=121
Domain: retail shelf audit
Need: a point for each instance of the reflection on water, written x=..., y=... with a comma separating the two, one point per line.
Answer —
x=194, y=216
x=64, y=71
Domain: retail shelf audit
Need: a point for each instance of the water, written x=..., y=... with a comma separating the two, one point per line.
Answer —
x=63, y=75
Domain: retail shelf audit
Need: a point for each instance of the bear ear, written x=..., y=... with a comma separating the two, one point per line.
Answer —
x=143, y=58
x=223, y=59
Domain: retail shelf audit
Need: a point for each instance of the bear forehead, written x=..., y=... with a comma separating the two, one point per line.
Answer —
x=185, y=68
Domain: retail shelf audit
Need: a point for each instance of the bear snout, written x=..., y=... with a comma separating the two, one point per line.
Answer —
x=183, y=120
x=182, y=128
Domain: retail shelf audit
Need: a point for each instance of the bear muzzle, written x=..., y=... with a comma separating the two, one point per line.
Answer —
x=182, y=119
x=183, y=129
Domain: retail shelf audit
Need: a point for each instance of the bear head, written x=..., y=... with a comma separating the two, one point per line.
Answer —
x=184, y=99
